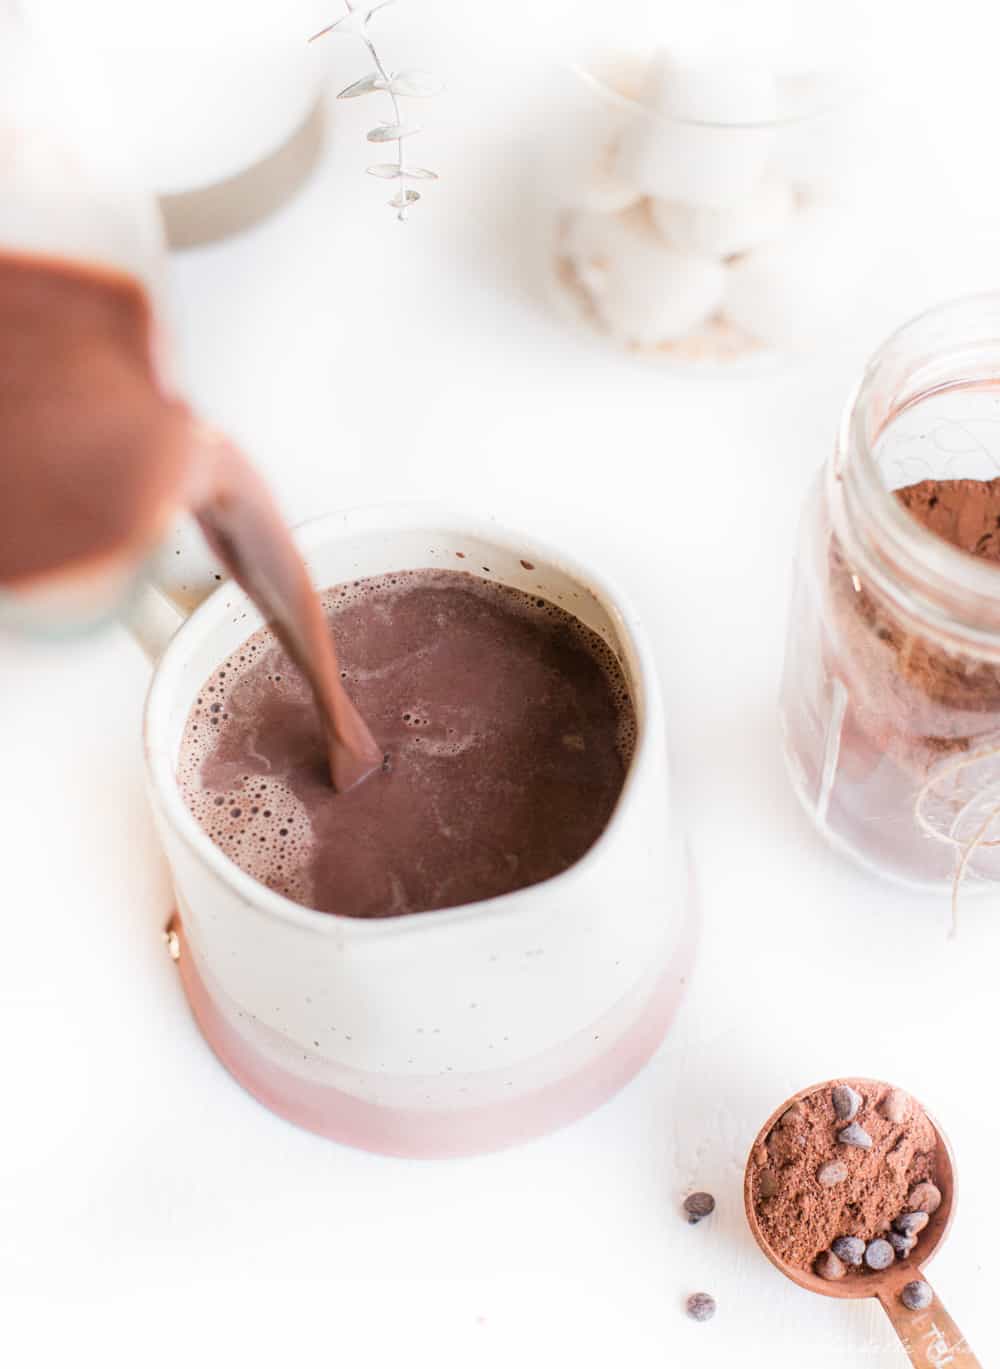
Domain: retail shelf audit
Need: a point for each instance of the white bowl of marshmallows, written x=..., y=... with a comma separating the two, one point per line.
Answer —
x=710, y=210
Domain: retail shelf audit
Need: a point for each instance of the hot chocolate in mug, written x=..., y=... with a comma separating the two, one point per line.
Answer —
x=433, y=1033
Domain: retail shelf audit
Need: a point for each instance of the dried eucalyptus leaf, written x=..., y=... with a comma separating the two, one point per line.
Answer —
x=354, y=23
x=373, y=81
x=404, y=198
x=417, y=84
x=385, y=171
x=390, y=133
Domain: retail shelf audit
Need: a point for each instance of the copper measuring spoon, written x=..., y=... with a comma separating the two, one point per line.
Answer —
x=930, y=1337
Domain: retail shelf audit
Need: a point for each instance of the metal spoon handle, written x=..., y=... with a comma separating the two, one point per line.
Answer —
x=929, y=1337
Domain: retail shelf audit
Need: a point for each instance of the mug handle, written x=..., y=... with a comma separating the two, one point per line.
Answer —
x=152, y=618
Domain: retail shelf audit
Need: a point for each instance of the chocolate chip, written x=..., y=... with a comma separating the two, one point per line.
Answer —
x=846, y=1102
x=790, y=1115
x=879, y=1254
x=850, y=1249
x=828, y=1266
x=916, y=1295
x=698, y=1206
x=767, y=1183
x=855, y=1135
x=893, y=1106
x=911, y=1223
x=926, y=1197
x=701, y=1307
x=900, y=1156
x=903, y=1245
x=833, y=1173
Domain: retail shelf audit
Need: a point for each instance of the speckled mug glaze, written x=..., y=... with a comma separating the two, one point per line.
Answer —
x=441, y=1033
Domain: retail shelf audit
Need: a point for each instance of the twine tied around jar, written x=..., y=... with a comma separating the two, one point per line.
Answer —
x=944, y=823
x=926, y=707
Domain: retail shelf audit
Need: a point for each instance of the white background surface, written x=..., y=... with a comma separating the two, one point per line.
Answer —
x=152, y=1213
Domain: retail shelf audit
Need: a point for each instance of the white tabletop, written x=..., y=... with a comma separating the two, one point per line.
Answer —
x=150, y=1211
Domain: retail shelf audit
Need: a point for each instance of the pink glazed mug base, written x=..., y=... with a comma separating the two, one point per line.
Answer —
x=439, y=1134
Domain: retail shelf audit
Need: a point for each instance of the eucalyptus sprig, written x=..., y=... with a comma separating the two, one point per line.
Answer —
x=397, y=85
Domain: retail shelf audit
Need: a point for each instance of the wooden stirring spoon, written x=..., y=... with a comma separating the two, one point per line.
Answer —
x=929, y=1335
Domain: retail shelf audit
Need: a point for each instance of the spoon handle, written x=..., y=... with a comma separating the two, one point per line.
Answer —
x=929, y=1337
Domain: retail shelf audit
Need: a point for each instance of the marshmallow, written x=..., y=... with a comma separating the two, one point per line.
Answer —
x=704, y=135
x=605, y=192
x=590, y=237
x=622, y=72
x=650, y=292
x=804, y=284
x=753, y=220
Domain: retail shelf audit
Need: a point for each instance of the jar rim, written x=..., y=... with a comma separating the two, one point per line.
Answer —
x=941, y=583
x=585, y=69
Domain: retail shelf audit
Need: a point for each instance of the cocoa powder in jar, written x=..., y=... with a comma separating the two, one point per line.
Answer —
x=912, y=697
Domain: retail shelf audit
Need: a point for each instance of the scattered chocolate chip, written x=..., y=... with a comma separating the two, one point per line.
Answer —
x=701, y=1307
x=879, y=1254
x=855, y=1135
x=903, y=1245
x=846, y=1102
x=767, y=1184
x=916, y=1295
x=698, y=1206
x=926, y=1197
x=833, y=1173
x=828, y=1266
x=893, y=1106
x=911, y=1223
x=850, y=1249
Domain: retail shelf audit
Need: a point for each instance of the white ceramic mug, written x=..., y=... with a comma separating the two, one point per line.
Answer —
x=436, y=1033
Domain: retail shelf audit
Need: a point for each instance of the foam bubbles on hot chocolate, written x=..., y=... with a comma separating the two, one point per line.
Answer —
x=508, y=729
x=257, y=821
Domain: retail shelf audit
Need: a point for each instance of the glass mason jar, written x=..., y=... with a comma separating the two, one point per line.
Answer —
x=891, y=695
x=713, y=214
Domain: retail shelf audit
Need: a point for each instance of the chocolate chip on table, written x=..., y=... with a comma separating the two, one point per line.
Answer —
x=926, y=1197
x=879, y=1254
x=903, y=1245
x=850, y=1249
x=855, y=1135
x=916, y=1295
x=893, y=1106
x=831, y=1174
x=911, y=1223
x=767, y=1184
x=846, y=1102
x=698, y=1206
x=828, y=1266
x=701, y=1307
